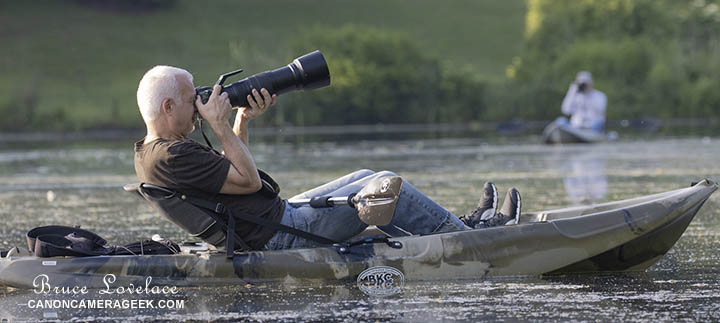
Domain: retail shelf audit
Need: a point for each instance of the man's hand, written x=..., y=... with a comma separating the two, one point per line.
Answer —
x=258, y=104
x=217, y=109
x=573, y=87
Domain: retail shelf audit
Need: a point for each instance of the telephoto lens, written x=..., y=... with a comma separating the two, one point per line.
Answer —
x=307, y=72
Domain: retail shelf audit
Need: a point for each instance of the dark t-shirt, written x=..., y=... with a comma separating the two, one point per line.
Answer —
x=199, y=171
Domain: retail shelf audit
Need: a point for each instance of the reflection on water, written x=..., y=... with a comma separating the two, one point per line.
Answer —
x=86, y=180
x=625, y=297
x=585, y=180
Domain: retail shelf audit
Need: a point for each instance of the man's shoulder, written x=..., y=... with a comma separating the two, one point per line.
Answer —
x=183, y=144
x=175, y=146
x=168, y=149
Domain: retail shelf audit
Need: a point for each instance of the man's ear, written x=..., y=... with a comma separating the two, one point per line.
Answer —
x=167, y=105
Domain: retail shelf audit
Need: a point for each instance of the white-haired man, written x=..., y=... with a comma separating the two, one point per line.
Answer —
x=165, y=157
x=584, y=104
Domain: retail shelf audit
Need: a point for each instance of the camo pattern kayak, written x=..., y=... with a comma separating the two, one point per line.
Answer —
x=616, y=236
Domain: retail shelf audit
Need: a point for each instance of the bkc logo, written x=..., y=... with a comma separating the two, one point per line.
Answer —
x=381, y=281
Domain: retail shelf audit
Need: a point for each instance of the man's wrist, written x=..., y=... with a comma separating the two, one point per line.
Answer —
x=219, y=126
x=241, y=123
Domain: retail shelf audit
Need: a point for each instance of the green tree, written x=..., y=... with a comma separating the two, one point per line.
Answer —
x=652, y=57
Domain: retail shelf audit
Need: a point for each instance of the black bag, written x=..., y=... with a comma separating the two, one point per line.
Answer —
x=57, y=240
x=63, y=241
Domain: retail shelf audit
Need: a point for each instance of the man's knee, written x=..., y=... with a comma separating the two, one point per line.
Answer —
x=362, y=173
x=385, y=173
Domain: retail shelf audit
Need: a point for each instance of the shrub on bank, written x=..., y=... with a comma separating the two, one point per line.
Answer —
x=380, y=77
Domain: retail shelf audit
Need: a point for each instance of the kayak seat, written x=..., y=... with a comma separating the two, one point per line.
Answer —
x=208, y=220
x=205, y=225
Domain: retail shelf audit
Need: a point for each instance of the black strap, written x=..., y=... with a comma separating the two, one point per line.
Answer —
x=230, y=238
x=147, y=247
x=220, y=208
x=200, y=121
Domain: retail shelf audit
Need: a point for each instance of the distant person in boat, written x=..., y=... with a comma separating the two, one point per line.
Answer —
x=166, y=157
x=584, y=104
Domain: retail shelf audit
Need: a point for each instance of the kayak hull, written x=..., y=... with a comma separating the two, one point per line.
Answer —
x=563, y=133
x=637, y=254
x=617, y=236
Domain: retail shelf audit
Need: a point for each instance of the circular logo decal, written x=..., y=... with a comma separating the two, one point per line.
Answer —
x=385, y=185
x=381, y=281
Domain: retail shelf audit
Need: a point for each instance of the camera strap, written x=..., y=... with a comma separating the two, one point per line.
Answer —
x=207, y=141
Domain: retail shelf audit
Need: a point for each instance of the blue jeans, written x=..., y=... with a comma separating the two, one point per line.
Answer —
x=415, y=213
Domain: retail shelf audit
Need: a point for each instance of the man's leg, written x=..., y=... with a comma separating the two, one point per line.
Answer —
x=598, y=126
x=562, y=120
x=334, y=185
x=415, y=213
x=338, y=223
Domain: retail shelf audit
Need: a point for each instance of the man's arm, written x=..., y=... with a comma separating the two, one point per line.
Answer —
x=243, y=177
x=568, y=104
x=258, y=106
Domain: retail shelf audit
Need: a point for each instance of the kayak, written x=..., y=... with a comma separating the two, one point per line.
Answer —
x=627, y=235
x=563, y=133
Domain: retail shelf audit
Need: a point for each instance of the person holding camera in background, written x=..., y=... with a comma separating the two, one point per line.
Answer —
x=584, y=104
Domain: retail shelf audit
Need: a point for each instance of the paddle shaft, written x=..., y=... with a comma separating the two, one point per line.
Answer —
x=324, y=201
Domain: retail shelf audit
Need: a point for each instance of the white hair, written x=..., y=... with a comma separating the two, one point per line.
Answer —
x=158, y=84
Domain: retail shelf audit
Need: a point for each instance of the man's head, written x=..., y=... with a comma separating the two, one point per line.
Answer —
x=166, y=97
x=584, y=80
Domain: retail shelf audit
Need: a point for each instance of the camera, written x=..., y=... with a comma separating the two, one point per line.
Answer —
x=582, y=87
x=307, y=72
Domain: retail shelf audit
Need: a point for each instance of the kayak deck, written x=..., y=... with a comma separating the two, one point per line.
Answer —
x=616, y=236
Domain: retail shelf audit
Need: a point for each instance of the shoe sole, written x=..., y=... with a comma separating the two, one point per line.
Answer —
x=489, y=213
x=517, y=210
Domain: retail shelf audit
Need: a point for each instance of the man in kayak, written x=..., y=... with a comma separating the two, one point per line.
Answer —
x=584, y=104
x=166, y=157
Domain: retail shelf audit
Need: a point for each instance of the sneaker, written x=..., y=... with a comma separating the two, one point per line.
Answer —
x=486, y=206
x=508, y=214
x=497, y=220
x=511, y=206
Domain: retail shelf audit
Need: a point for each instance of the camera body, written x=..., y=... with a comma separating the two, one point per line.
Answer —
x=582, y=87
x=306, y=72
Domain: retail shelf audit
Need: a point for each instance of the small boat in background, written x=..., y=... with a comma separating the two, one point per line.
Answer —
x=559, y=132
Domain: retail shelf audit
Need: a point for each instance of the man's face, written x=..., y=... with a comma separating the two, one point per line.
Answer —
x=184, y=120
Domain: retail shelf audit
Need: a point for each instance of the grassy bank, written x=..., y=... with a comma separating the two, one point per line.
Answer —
x=70, y=66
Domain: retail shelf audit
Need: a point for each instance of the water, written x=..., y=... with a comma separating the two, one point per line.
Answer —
x=79, y=183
